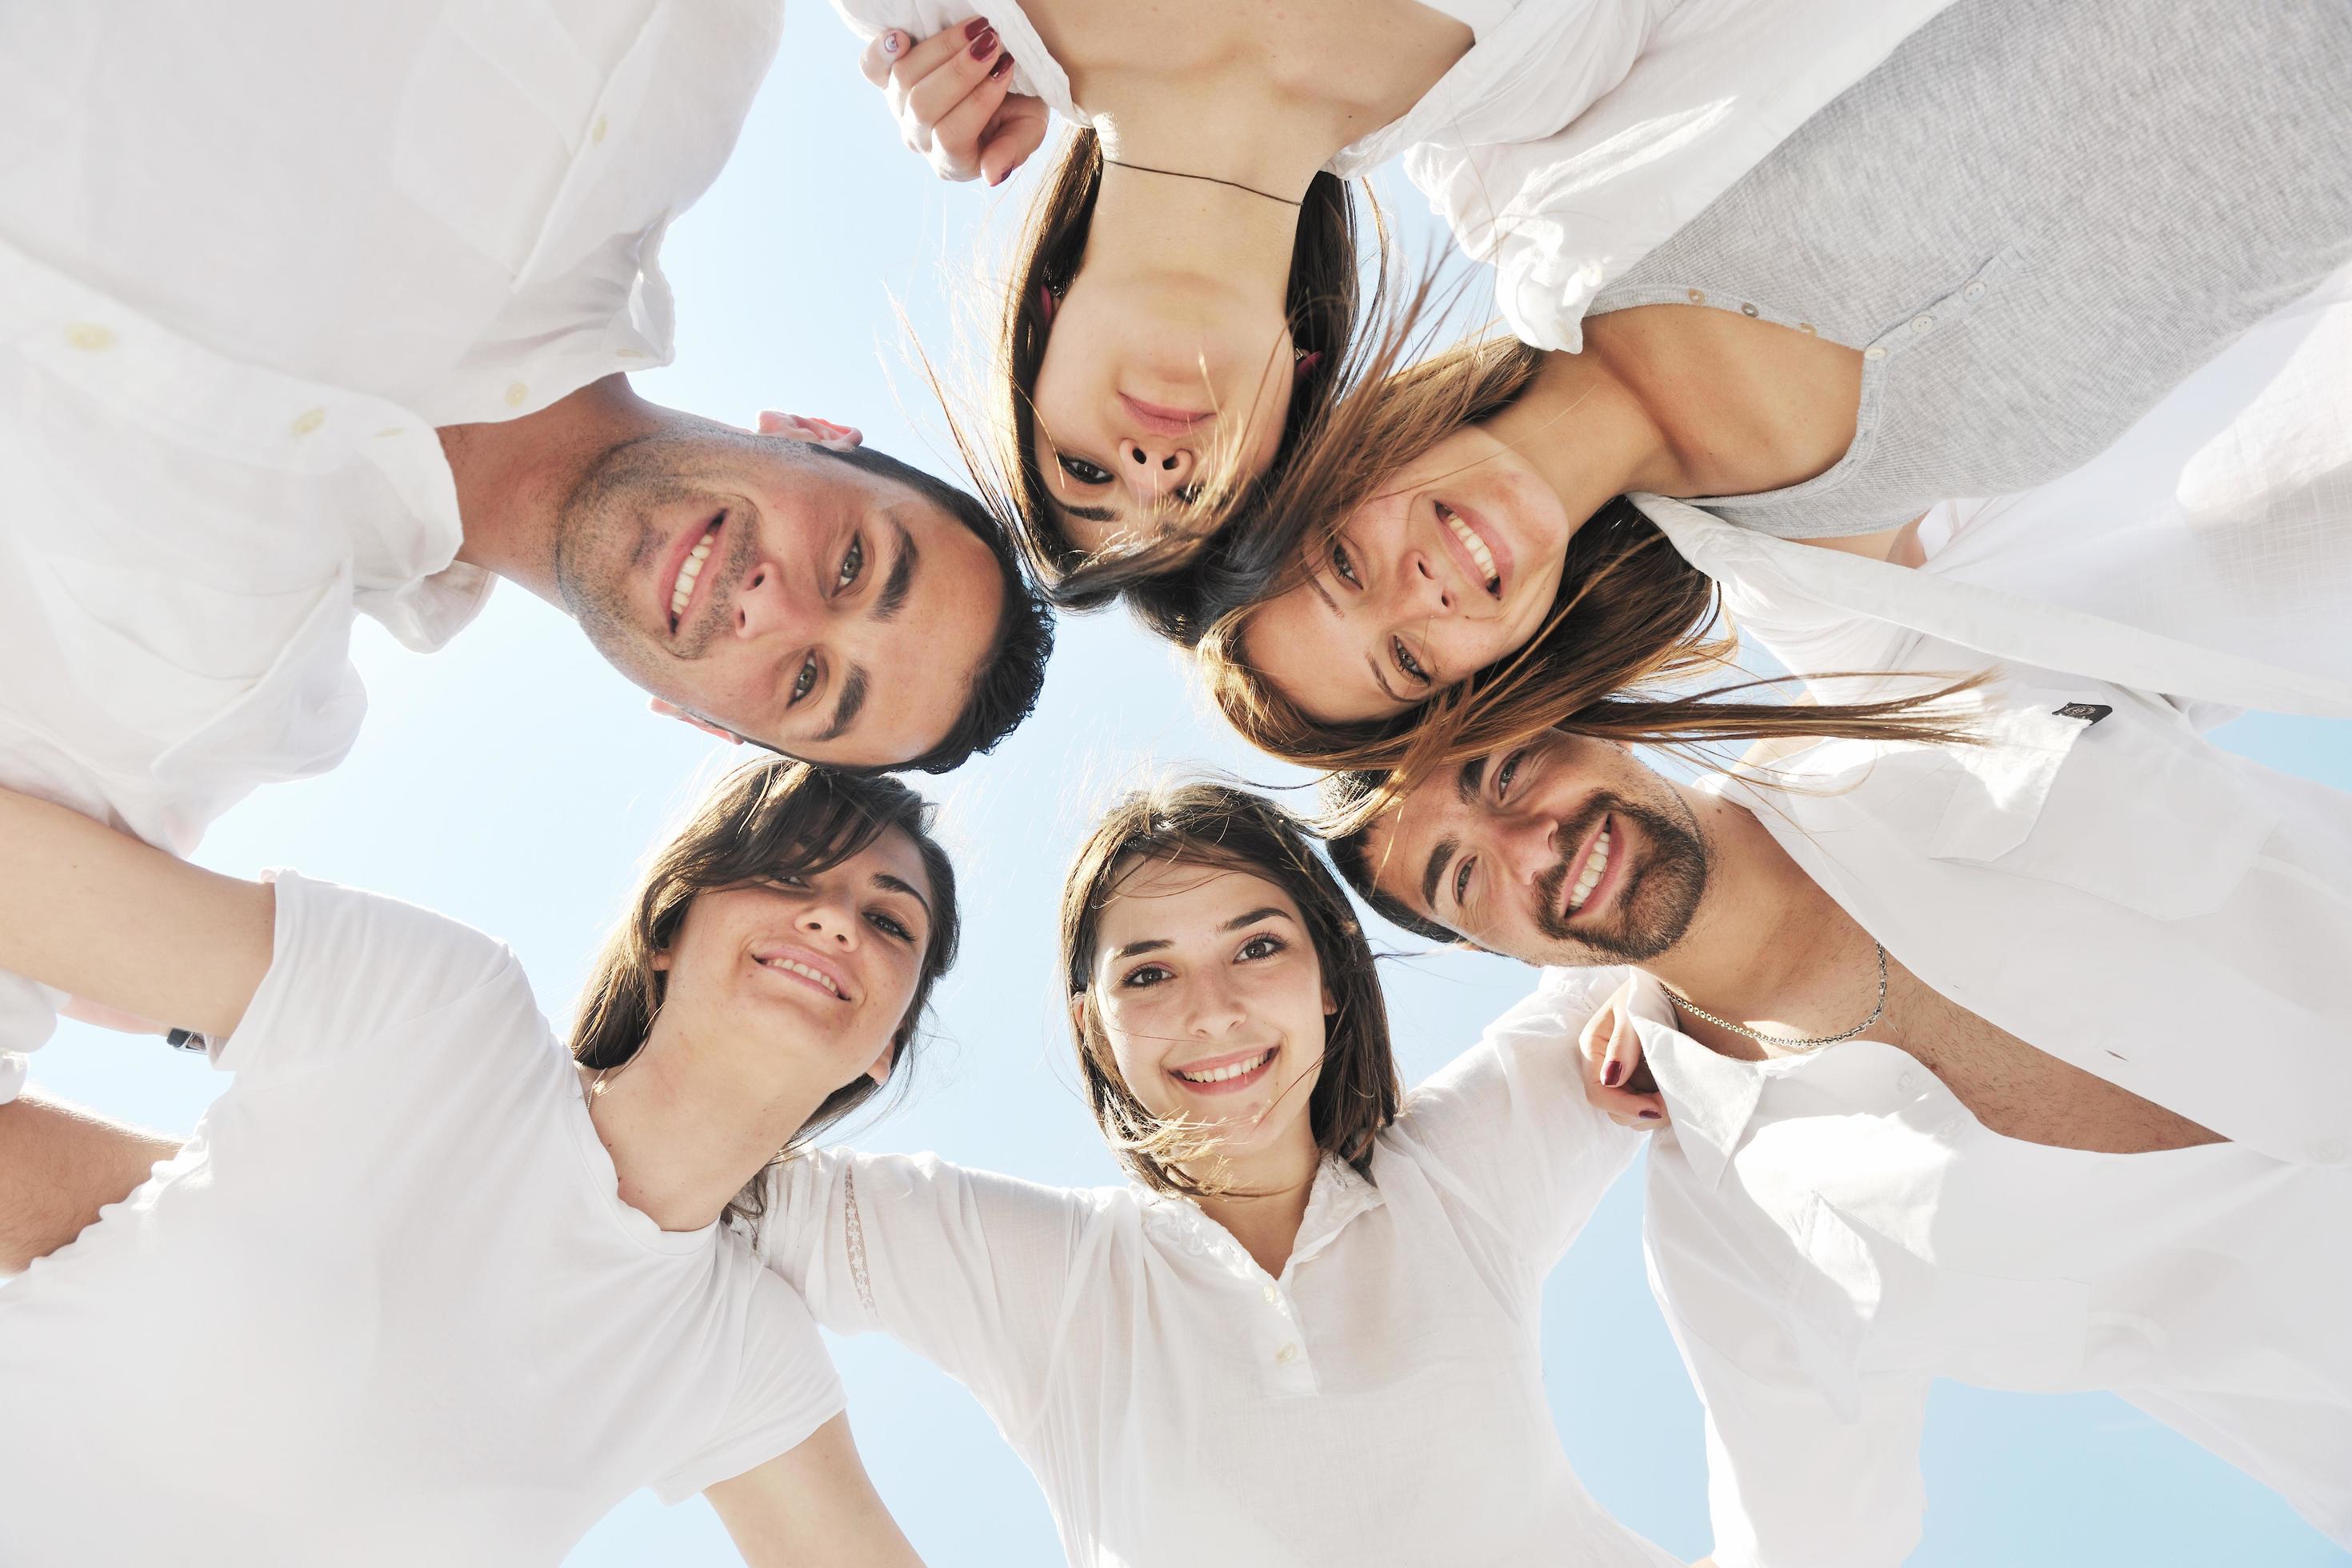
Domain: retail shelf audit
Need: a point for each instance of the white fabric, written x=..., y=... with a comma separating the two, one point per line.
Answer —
x=1382, y=1400
x=387, y=1306
x=249, y=258
x=2206, y=555
x=1575, y=135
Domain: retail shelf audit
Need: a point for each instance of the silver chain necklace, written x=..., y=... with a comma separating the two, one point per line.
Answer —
x=1696, y=1011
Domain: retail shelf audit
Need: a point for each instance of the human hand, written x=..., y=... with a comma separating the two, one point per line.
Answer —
x=1616, y=1084
x=952, y=97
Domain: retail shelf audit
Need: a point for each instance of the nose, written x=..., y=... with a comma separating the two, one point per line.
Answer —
x=766, y=602
x=1529, y=846
x=827, y=920
x=1417, y=590
x=1154, y=466
x=1216, y=1008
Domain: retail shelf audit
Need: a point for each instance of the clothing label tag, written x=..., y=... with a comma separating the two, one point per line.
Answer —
x=2088, y=712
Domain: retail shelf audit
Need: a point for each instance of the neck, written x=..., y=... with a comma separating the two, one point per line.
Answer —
x=1153, y=224
x=1585, y=434
x=513, y=476
x=1268, y=1197
x=1763, y=939
x=687, y=1128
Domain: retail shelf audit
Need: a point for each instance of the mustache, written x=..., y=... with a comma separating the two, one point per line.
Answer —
x=1551, y=884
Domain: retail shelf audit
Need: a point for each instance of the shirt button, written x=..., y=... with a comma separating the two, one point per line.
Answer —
x=1806, y=327
x=1286, y=1355
x=1973, y=291
x=310, y=419
x=2328, y=1151
x=90, y=336
x=1876, y=351
x=1698, y=296
x=1746, y=309
x=1923, y=324
x=1906, y=1081
x=516, y=394
x=602, y=125
x=1273, y=1295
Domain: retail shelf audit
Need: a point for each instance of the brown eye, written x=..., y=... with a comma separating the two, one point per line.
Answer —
x=1407, y=663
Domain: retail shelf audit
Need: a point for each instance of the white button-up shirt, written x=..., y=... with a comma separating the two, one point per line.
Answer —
x=2206, y=555
x=1381, y=1401
x=250, y=260
x=1829, y=1232
x=1574, y=135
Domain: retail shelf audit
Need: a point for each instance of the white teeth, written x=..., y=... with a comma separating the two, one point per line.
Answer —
x=1474, y=544
x=806, y=971
x=1237, y=1069
x=1594, y=865
x=682, y=589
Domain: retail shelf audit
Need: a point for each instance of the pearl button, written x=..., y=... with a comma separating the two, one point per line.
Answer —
x=1806, y=327
x=516, y=394
x=602, y=126
x=1876, y=351
x=1951, y=1129
x=1698, y=296
x=2328, y=1151
x=1273, y=1295
x=1286, y=1355
x=1973, y=291
x=1906, y=1081
x=1747, y=309
x=1923, y=324
x=90, y=336
x=310, y=419
x=387, y=432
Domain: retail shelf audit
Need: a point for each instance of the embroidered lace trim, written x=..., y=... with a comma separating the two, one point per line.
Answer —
x=856, y=1242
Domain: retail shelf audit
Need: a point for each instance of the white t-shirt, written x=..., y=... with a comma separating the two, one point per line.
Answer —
x=387, y=1306
x=1381, y=1401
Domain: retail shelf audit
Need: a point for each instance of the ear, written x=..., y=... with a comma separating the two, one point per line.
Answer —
x=1078, y=1015
x=1330, y=1003
x=672, y=711
x=662, y=959
x=879, y=1071
x=816, y=432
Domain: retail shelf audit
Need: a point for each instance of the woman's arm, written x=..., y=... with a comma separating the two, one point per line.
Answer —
x=811, y=1507
x=98, y=914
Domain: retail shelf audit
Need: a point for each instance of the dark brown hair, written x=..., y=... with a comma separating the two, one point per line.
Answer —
x=1323, y=296
x=774, y=818
x=1217, y=826
x=1633, y=625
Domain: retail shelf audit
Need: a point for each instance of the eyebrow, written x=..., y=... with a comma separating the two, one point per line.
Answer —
x=853, y=700
x=893, y=597
x=1439, y=857
x=1090, y=514
x=900, y=885
x=1153, y=944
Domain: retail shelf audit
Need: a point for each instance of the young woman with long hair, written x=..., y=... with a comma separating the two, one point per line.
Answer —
x=1486, y=541
x=1180, y=298
x=431, y=1285
x=1306, y=1329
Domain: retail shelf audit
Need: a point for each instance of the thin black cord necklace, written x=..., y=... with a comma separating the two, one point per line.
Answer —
x=1180, y=174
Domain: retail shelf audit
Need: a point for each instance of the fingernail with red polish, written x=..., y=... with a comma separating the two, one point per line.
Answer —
x=1649, y=1116
x=1003, y=63
x=984, y=45
x=1612, y=1073
x=975, y=28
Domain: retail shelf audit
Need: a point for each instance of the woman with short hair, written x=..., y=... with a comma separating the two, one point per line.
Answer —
x=427, y=1285
x=1306, y=1329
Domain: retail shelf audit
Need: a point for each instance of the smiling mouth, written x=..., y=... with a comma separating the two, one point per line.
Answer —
x=689, y=572
x=1596, y=866
x=808, y=972
x=1232, y=1075
x=1467, y=537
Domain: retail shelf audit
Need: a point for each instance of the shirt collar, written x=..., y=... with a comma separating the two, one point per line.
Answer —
x=1710, y=1099
x=1338, y=1196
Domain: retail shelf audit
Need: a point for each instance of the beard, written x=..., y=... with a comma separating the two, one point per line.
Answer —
x=1661, y=893
x=605, y=538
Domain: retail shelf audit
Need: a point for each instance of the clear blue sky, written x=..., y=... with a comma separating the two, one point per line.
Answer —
x=512, y=781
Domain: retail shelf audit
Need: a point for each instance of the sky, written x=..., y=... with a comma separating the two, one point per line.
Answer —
x=513, y=780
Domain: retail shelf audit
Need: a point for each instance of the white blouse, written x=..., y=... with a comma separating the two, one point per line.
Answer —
x=1381, y=1401
x=1575, y=135
x=2206, y=555
x=236, y=301
x=1828, y=1232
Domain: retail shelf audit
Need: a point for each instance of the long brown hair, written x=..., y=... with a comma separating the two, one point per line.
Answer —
x=774, y=818
x=1323, y=298
x=1634, y=623
x=1217, y=826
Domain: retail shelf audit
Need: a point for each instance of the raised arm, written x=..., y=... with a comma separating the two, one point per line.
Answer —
x=812, y=1508
x=58, y=1166
x=98, y=914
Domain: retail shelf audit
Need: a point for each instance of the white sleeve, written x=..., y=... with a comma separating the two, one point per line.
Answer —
x=1506, y=1125
x=968, y=1269
x=345, y=966
x=784, y=1390
x=1796, y=1477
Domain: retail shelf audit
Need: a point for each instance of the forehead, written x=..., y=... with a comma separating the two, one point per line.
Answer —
x=1160, y=900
